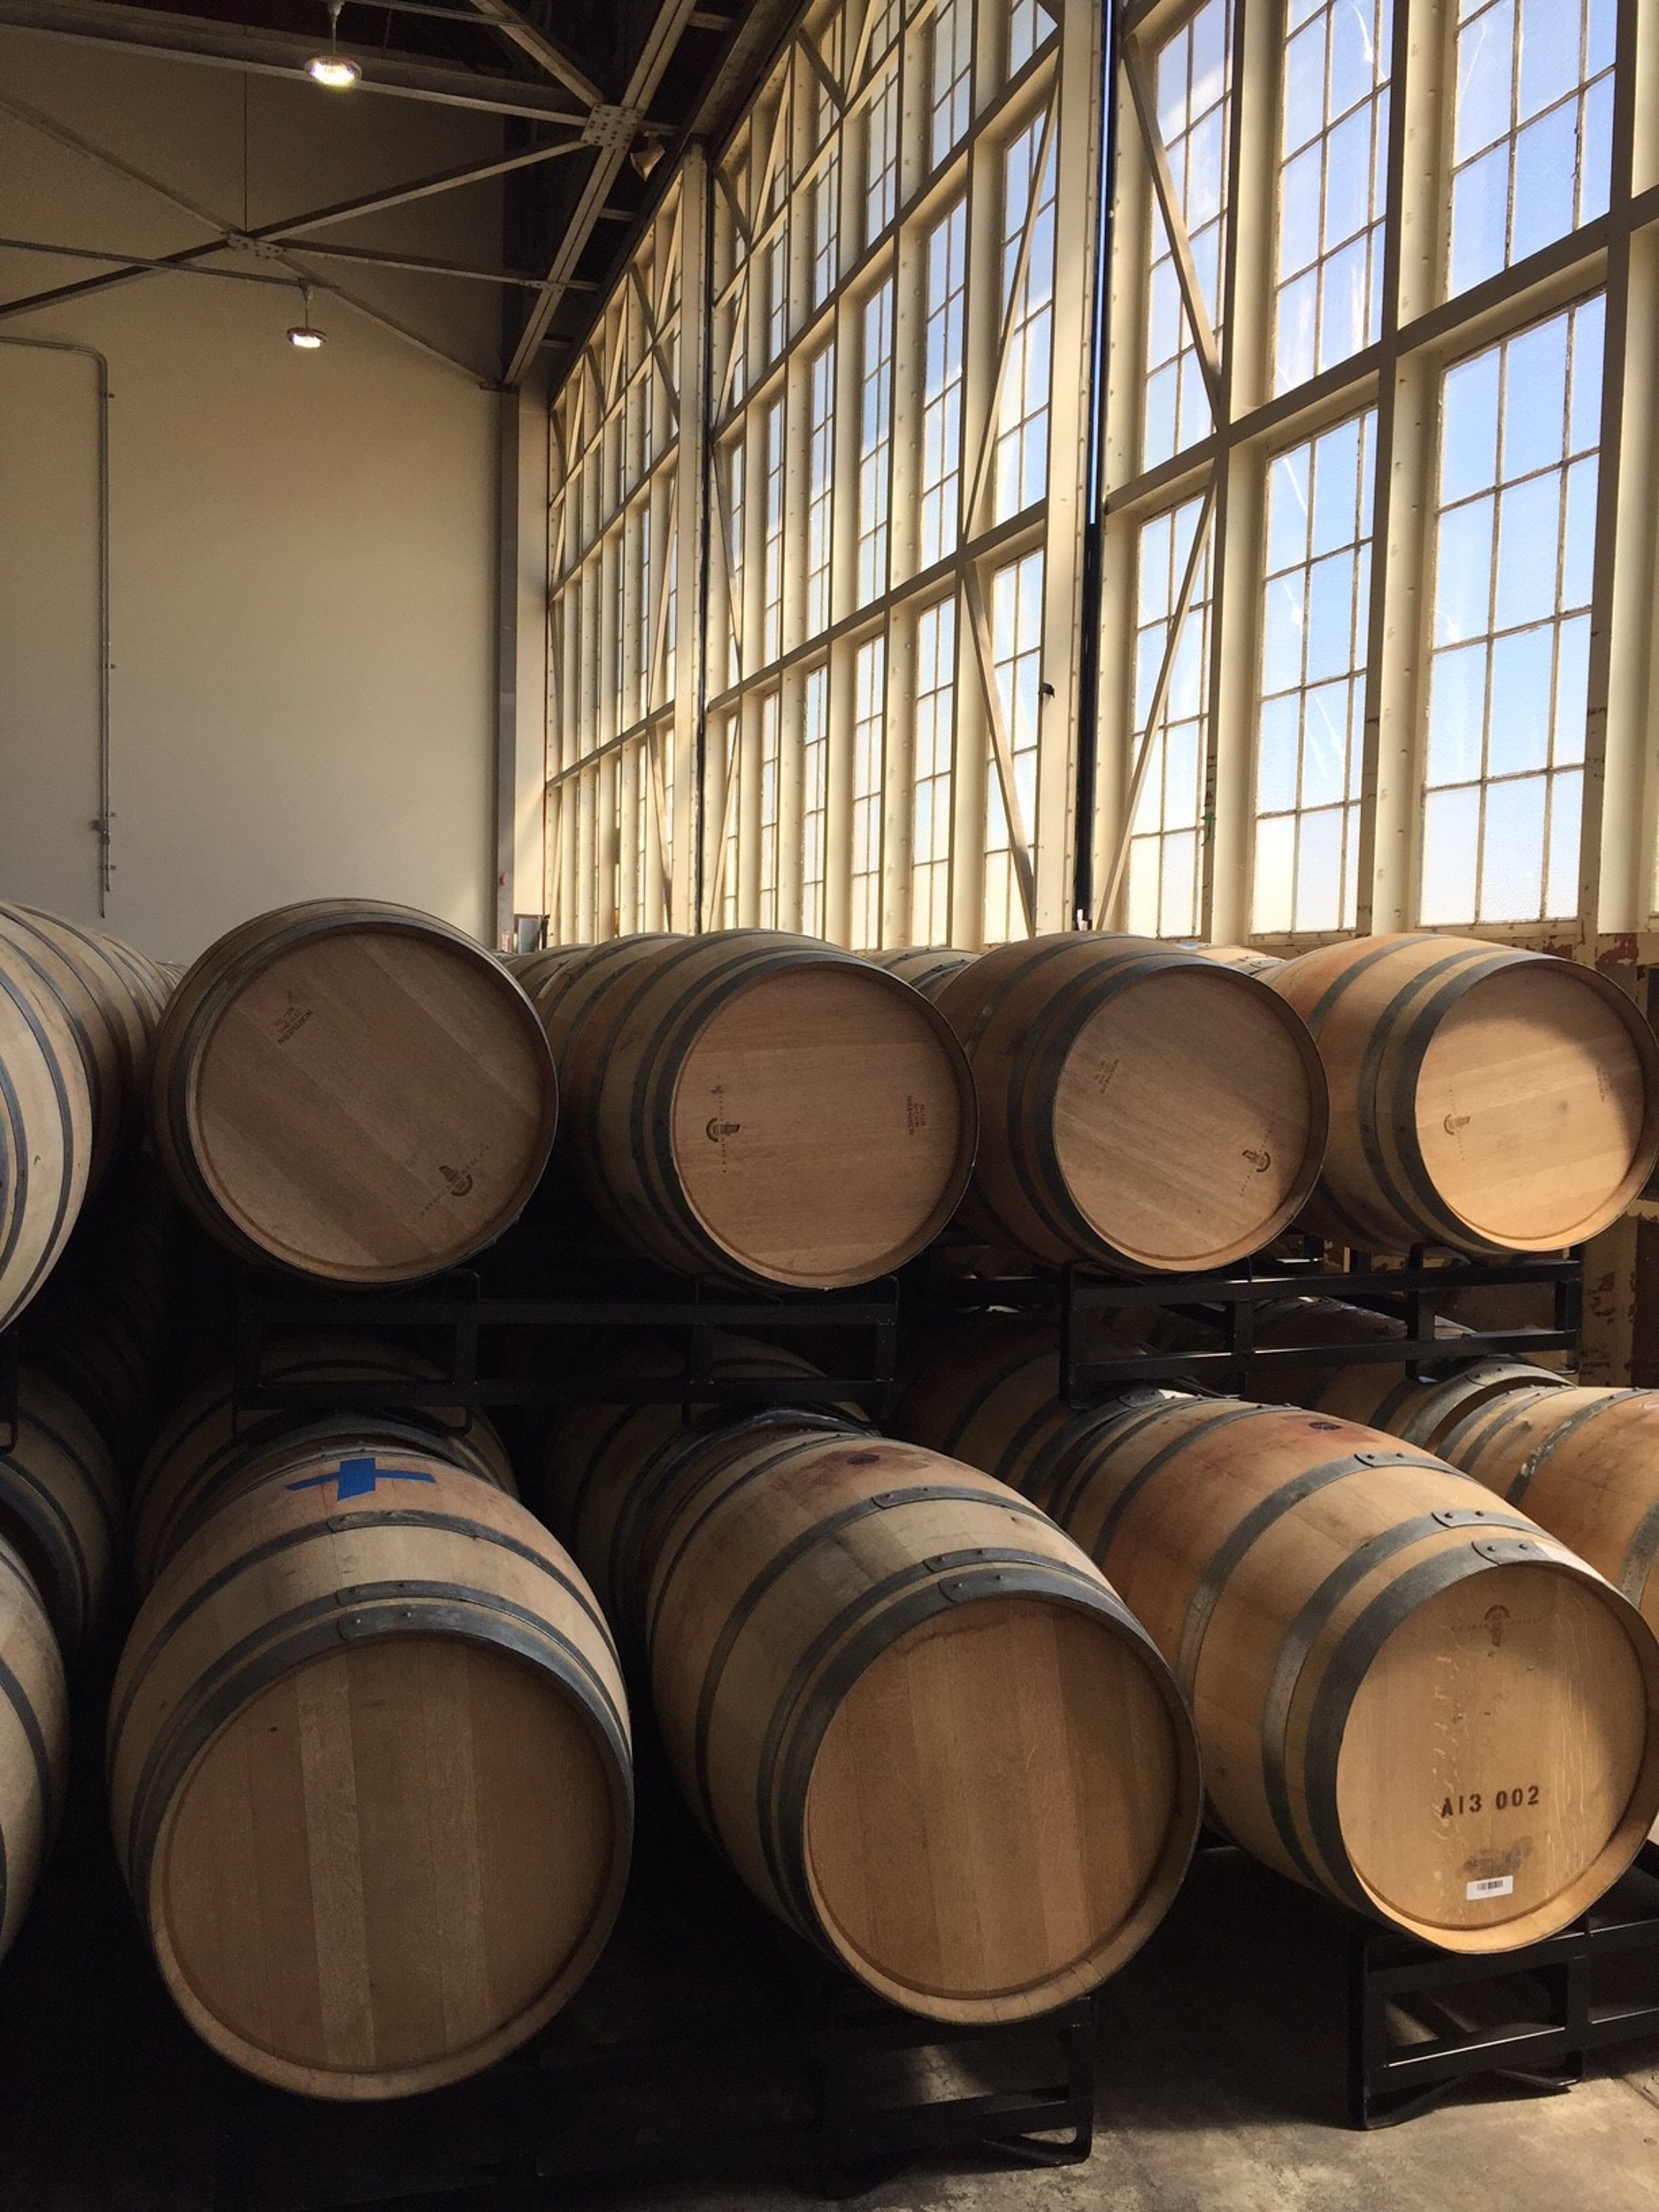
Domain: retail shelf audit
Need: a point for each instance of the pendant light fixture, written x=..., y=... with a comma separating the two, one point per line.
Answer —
x=301, y=334
x=333, y=69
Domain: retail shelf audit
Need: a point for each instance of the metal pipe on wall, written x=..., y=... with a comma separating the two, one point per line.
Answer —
x=106, y=814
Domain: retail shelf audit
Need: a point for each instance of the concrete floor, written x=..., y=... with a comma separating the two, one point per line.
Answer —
x=1221, y=2086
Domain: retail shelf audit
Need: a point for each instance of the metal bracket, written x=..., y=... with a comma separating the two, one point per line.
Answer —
x=611, y=128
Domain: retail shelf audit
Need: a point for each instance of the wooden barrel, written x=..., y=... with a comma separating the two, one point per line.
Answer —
x=1408, y=1696
x=757, y=1105
x=1138, y=1105
x=532, y=969
x=917, y=1721
x=112, y=998
x=61, y=1506
x=923, y=967
x=1245, y=959
x=210, y=1451
x=1481, y=1098
x=369, y=1776
x=1585, y=1464
x=101, y=1326
x=34, y=1740
x=610, y=1470
x=356, y=1091
x=45, y=1132
x=1420, y=1411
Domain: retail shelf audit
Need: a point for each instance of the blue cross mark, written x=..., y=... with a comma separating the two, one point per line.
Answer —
x=358, y=1477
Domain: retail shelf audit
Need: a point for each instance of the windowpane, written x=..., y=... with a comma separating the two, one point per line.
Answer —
x=935, y=746
x=875, y=443
x=1190, y=77
x=1164, y=879
x=1532, y=138
x=814, y=798
x=1511, y=631
x=870, y=721
x=1022, y=429
x=1313, y=667
x=1017, y=650
x=1335, y=123
x=942, y=374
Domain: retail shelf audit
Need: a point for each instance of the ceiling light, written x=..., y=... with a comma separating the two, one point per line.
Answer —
x=333, y=69
x=301, y=334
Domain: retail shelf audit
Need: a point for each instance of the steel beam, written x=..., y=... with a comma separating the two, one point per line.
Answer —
x=195, y=38
x=643, y=78
x=505, y=17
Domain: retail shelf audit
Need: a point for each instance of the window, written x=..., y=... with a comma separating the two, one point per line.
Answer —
x=952, y=89
x=814, y=798
x=885, y=291
x=935, y=744
x=1533, y=139
x=870, y=723
x=1165, y=853
x=875, y=443
x=1515, y=532
x=942, y=391
x=773, y=624
x=1333, y=172
x=769, y=763
x=1193, y=107
x=820, y=459
x=1022, y=432
x=1017, y=648
x=1311, y=726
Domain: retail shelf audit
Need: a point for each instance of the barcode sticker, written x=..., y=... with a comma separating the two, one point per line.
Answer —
x=1495, y=1885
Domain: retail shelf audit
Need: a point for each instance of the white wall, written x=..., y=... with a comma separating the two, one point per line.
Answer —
x=302, y=546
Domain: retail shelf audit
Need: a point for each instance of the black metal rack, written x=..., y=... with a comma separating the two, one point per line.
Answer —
x=1557, y=2006
x=464, y=1328
x=1082, y=1300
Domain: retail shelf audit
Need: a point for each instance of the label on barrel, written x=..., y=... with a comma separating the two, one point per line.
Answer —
x=1495, y=1885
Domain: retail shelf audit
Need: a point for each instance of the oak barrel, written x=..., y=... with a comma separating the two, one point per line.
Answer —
x=211, y=1451
x=60, y=1505
x=1138, y=1104
x=356, y=1091
x=45, y=1132
x=1585, y=1464
x=758, y=1105
x=918, y=1723
x=111, y=999
x=101, y=1326
x=610, y=1471
x=369, y=1776
x=925, y=968
x=1246, y=958
x=34, y=1740
x=1482, y=1098
x=1408, y=1696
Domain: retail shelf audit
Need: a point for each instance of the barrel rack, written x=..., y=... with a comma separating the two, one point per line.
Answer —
x=708, y=2041
x=1555, y=2003
x=801, y=2020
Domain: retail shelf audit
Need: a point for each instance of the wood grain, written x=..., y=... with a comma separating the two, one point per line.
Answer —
x=754, y=1104
x=1486, y=1099
x=34, y=1741
x=61, y=1506
x=211, y=1451
x=1585, y=1464
x=918, y=1723
x=1384, y=1665
x=356, y=1092
x=370, y=1778
x=1138, y=1105
x=45, y=1132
